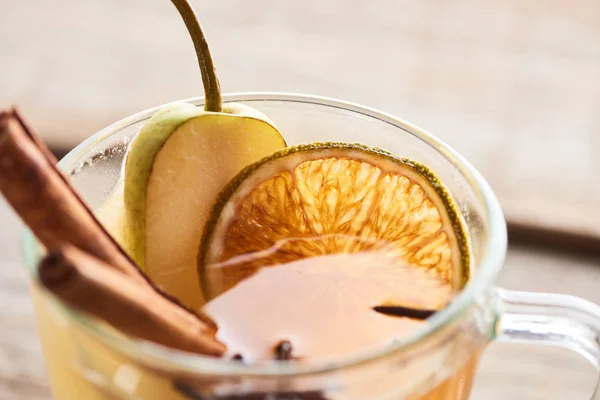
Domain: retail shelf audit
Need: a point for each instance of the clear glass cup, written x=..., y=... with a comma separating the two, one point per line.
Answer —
x=88, y=360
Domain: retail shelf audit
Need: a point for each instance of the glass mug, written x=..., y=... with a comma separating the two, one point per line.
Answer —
x=88, y=360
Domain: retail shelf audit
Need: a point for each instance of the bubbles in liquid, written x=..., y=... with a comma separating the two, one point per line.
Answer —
x=99, y=174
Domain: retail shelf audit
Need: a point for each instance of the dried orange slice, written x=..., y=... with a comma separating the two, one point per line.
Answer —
x=329, y=198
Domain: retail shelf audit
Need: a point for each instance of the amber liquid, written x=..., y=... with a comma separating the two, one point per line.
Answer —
x=324, y=307
x=457, y=387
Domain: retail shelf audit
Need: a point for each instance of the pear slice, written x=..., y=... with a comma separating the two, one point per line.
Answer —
x=175, y=168
x=177, y=165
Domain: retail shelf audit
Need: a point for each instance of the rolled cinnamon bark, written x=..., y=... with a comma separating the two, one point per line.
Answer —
x=43, y=198
x=88, y=284
x=50, y=207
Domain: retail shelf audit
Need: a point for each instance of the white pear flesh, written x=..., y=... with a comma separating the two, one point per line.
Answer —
x=176, y=167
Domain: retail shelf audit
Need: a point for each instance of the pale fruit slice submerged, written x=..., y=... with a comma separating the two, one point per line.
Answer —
x=175, y=168
x=329, y=198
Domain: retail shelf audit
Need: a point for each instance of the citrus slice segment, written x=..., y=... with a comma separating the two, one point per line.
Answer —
x=329, y=198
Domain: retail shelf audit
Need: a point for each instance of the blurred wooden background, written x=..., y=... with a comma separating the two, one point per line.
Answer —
x=513, y=85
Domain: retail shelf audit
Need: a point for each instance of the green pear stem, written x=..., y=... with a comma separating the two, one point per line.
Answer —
x=212, y=88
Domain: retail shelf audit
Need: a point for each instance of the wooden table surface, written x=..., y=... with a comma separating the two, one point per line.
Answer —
x=513, y=85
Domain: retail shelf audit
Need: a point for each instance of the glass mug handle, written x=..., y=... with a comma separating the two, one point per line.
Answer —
x=552, y=319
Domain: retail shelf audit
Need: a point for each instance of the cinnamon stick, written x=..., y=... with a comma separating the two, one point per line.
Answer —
x=88, y=284
x=42, y=196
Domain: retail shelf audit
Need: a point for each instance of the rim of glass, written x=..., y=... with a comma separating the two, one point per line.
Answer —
x=155, y=354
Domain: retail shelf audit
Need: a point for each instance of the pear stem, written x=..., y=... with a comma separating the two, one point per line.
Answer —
x=212, y=88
